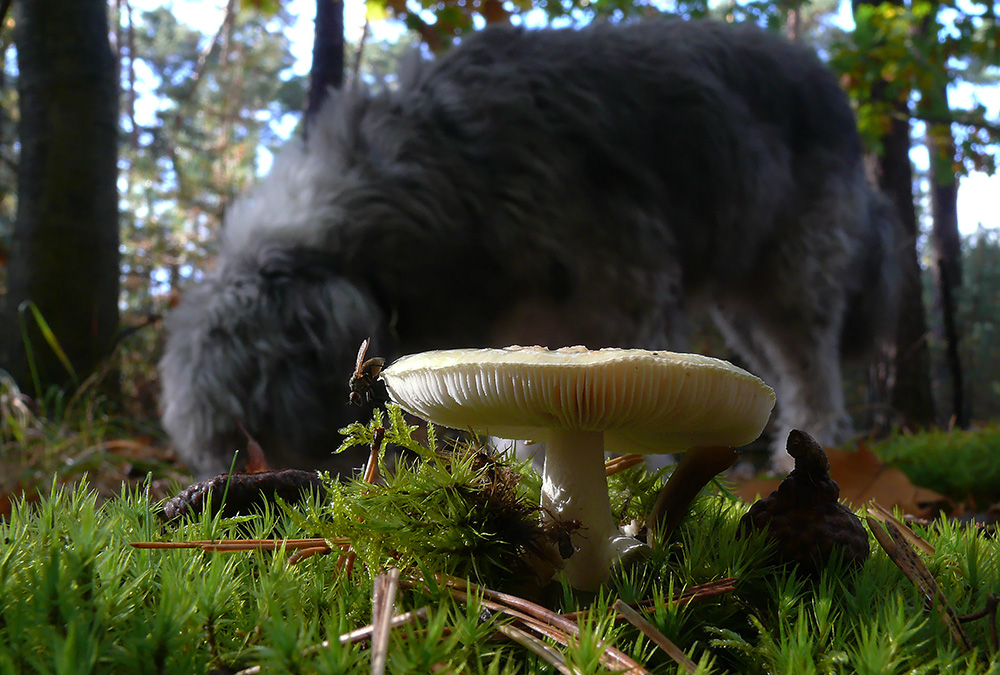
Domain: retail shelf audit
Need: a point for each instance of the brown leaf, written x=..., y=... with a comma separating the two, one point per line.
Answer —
x=256, y=459
x=862, y=477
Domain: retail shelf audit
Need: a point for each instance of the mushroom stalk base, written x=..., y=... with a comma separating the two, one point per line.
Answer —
x=574, y=488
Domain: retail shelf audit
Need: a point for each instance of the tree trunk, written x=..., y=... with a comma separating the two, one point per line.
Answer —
x=911, y=397
x=64, y=255
x=905, y=365
x=947, y=257
x=328, y=54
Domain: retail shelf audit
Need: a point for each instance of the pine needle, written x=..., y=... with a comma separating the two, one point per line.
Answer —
x=541, y=649
x=227, y=545
x=650, y=631
x=383, y=605
x=543, y=621
x=621, y=463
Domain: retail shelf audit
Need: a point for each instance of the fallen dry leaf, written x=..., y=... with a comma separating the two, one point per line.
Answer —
x=862, y=477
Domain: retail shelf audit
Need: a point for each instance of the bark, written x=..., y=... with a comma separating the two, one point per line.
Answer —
x=328, y=54
x=910, y=397
x=946, y=243
x=947, y=260
x=64, y=254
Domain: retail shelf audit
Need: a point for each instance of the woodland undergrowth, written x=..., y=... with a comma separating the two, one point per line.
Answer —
x=458, y=523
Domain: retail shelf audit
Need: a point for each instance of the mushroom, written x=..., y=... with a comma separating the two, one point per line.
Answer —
x=581, y=403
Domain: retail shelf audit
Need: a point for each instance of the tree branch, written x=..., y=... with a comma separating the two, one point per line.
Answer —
x=359, y=54
x=958, y=118
x=199, y=68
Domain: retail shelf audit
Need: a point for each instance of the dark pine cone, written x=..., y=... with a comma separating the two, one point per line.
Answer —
x=246, y=491
x=803, y=515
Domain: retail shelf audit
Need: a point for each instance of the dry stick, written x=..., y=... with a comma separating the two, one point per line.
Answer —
x=612, y=658
x=513, y=601
x=619, y=464
x=303, y=553
x=537, y=618
x=661, y=640
x=371, y=475
x=884, y=515
x=540, y=627
x=366, y=632
x=992, y=601
x=383, y=603
x=358, y=635
x=241, y=544
x=371, y=470
x=539, y=648
x=901, y=552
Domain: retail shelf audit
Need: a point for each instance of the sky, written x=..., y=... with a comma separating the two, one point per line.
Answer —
x=978, y=196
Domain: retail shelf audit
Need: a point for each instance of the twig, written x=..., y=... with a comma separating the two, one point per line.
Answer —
x=303, y=553
x=383, y=603
x=535, y=617
x=359, y=55
x=357, y=635
x=884, y=515
x=541, y=649
x=371, y=470
x=901, y=552
x=540, y=627
x=146, y=321
x=990, y=611
x=371, y=475
x=650, y=631
x=622, y=462
x=513, y=601
x=227, y=545
x=366, y=632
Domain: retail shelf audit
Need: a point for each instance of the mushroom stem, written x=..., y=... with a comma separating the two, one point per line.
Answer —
x=696, y=467
x=574, y=487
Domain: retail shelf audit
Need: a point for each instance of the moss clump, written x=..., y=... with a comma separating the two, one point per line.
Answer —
x=463, y=510
x=958, y=463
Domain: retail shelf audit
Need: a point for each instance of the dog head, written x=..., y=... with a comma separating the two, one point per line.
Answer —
x=267, y=341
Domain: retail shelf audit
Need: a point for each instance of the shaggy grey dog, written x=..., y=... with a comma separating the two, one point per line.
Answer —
x=551, y=187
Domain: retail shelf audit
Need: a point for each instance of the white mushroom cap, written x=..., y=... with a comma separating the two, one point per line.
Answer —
x=581, y=403
x=644, y=401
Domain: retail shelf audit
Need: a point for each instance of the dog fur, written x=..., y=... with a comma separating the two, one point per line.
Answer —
x=550, y=187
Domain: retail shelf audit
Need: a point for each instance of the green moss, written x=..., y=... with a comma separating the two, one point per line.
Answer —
x=956, y=463
x=76, y=598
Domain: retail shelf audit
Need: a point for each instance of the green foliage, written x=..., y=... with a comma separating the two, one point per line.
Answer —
x=908, y=54
x=214, y=105
x=979, y=321
x=50, y=340
x=75, y=597
x=956, y=463
x=462, y=511
x=76, y=435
